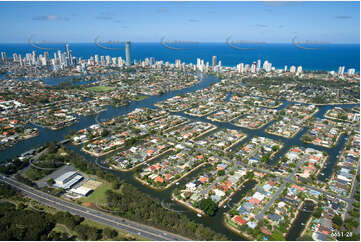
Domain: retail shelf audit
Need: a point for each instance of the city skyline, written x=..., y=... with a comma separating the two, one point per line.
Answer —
x=270, y=22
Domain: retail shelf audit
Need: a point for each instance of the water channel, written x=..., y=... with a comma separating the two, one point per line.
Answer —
x=215, y=222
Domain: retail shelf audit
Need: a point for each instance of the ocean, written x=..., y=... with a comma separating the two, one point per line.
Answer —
x=322, y=57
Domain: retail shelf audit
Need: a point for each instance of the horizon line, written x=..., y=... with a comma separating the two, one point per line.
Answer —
x=193, y=43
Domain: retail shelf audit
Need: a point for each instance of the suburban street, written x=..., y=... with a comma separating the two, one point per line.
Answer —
x=134, y=228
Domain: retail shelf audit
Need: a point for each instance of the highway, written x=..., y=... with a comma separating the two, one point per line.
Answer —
x=127, y=226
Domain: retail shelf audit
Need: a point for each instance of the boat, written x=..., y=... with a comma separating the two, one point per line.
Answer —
x=199, y=215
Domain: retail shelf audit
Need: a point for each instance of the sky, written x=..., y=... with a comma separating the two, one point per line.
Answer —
x=269, y=22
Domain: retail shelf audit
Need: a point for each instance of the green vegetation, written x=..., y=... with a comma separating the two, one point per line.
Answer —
x=97, y=195
x=13, y=166
x=208, y=206
x=24, y=223
x=141, y=207
x=55, y=157
x=100, y=89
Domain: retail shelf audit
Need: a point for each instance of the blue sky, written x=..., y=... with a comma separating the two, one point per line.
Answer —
x=270, y=22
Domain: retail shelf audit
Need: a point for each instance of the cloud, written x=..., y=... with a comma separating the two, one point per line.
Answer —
x=50, y=18
x=193, y=20
x=343, y=17
x=261, y=25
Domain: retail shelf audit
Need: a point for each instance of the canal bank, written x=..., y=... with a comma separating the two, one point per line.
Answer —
x=215, y=222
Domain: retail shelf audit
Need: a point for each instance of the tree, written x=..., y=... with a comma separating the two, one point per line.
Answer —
x=208, y=206
x=50, y=181
x=110, y=233
x=221, y=173
x=277, y=236
x=337, y=220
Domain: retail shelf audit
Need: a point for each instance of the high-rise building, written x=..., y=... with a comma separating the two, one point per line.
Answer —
x=68, y=54
x=258, y=65
x=151, y=61
x=177, y=63
x=127, y=53
x=341, y=70
x=285, y=68
x=246, y=67
x=293, y=69
x=15, y=57
x=214, y=61
x=21, y=61
x=253, y=67
x=3, y=57
x=33, y=61
x=107, y=60
x=241, y=68
x=299, y=69
x=96, y=59
x=267, y=66
x=351, y=71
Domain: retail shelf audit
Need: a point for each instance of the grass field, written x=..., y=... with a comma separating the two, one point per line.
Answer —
x=139, y=98
x=101, y=89
x=98, y=194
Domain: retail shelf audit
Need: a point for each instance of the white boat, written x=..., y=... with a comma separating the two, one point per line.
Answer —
x=199, y=215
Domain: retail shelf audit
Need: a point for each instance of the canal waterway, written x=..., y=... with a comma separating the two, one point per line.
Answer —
x=301, y=220
x=215, y=222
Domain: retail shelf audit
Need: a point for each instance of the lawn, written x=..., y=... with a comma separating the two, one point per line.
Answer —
x=101, y=89
x=139, y=98
x=98, y=194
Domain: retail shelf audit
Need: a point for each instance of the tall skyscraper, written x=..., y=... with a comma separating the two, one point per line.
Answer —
x=341, y=70
x=68, y=54
x=127, y=53
x=214, y=61
x=258, y=65
x=292, y=69
x=3, y=57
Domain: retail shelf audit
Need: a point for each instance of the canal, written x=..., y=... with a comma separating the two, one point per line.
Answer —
x=301, y=220
x=215, y=222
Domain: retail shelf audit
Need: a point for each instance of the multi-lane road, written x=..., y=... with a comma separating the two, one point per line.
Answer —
x=131, y=227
